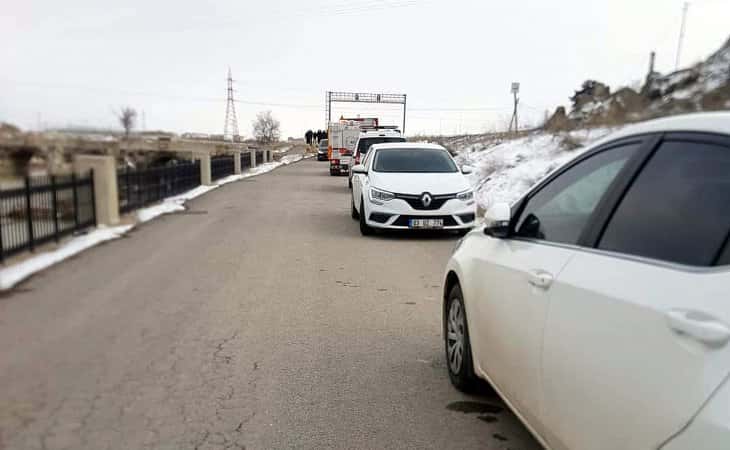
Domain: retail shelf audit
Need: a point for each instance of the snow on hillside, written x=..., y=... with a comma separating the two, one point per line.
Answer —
x=506, y=170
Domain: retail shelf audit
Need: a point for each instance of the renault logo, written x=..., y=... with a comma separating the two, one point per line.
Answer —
x=426, y=199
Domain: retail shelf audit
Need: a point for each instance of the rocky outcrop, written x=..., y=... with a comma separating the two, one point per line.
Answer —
x=702, y=87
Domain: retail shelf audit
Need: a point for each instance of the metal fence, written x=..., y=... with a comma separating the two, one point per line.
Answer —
x=140, y=187
x=245, y=160
x=46, y=208
x=221, y=166
x=259, y=157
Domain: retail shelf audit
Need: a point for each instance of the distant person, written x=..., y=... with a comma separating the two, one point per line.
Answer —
x=308, y=136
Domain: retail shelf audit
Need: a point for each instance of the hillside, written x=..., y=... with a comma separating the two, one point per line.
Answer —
x=507, y=166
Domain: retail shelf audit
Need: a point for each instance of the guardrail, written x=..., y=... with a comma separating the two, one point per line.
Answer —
x=140, y=187
x=221, y=166
x=45, y=209
x=245, y=160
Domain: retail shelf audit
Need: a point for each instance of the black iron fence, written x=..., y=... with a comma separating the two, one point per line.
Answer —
x=259, y=157
x=221, y=166
x=245, y=160
x=44, y=209
x=140, y=187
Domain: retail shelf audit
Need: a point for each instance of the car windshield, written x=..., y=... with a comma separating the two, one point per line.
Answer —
x=414, y=160
x=364, y=144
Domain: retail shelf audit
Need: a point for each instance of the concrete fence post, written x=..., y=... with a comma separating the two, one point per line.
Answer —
x=106, y=191
x=253, y=158
x=236, y=162
x=206, y=179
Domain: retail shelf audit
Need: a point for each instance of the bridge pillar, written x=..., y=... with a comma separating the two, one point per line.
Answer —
x=106, y=197
x=206, y=178
x=236, y=162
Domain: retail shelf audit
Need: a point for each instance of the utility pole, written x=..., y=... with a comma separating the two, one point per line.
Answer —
x=230, y=129
x=681, y=34
x=515, y=91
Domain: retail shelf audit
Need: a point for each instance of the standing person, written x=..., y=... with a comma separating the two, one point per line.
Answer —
x=308, y=137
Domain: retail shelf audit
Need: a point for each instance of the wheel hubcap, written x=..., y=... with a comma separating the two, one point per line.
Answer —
x=455, y=336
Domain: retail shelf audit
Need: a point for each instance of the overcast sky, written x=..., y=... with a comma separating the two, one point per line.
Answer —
x=74, y=61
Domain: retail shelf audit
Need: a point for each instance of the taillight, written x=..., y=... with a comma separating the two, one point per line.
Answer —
x=357, y=159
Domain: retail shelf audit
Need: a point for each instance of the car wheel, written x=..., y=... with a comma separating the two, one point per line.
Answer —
x=353, y=211
x=365, y=229
x=456, y=339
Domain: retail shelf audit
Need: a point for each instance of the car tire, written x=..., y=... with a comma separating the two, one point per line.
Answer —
x=353, y=212
x=365, y=229
x=459, y=361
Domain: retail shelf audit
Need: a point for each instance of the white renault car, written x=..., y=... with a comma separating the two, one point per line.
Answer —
x=411, y=186
x=598, y=305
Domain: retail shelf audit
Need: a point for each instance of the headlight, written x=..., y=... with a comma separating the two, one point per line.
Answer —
x=383, y=196
x=465, y=196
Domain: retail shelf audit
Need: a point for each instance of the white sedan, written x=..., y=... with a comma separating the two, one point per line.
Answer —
x=411, y=186
x=598, y=305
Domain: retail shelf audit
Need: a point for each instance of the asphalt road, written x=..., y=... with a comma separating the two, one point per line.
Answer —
x=259, y=318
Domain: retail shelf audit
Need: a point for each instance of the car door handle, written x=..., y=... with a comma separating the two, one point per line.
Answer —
x=540, y=279
x=698, y=326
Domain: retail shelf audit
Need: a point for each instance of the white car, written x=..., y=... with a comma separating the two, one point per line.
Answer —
x=598, y=306
x=411, y=186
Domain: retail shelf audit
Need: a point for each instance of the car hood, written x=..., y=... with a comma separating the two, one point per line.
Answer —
x=418, y=183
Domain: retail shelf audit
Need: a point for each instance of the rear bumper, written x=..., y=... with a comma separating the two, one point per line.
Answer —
x=396, y=214
x=710, y=429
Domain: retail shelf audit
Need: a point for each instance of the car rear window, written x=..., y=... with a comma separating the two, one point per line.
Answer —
x=364, y=144
x=414, y=160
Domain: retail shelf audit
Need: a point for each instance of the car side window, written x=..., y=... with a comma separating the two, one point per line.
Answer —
x=677, y=210
x=560, y=210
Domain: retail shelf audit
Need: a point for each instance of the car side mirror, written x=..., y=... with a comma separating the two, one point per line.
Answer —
x=359, y=168
x=466, y=170
x=497, y=220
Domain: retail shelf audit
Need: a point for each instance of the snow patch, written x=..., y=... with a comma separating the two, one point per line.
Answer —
x=14, y=274
x=504, y=171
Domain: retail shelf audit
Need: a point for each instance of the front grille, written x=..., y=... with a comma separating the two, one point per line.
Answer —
x=466, y=218
x=380, y=217
x=402, y=221
x=437, y=201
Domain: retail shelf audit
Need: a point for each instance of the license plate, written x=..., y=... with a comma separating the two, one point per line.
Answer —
x=426, y=223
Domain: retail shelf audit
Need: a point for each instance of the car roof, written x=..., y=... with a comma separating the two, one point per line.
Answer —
x=708, y=122
x=400, y=145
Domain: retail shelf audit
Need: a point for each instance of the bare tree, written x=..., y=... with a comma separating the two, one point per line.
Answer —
x=266, y=128
x=127, y=117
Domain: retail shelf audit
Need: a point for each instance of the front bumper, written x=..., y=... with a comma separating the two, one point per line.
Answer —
x=396, y=214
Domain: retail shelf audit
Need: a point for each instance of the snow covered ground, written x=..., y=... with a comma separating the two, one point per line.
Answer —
x=506, y=170
x=10, y=276
x=14, y=274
